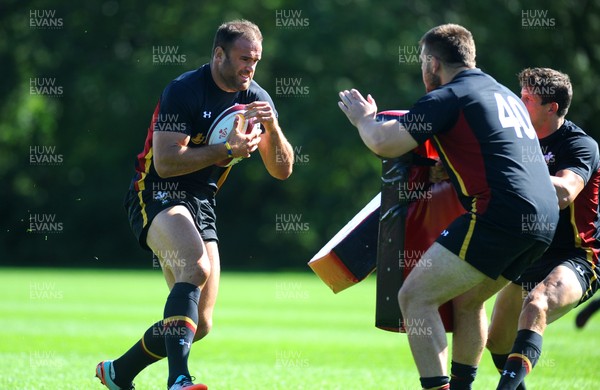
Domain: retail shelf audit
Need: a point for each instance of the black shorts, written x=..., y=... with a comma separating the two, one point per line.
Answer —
x=576, y=260
x=490, y=249
x=143, y=206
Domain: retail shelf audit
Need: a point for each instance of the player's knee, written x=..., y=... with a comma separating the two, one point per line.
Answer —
x=202, y=270
x=402, y=299
x=196, y=272
x=535, y=302
x=496, y=343
x=407, y=298
x=491, y=344
x=203, y=328
x=467, y=305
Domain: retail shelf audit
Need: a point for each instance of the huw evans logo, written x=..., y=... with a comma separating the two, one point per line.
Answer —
x=536, y=223
x=167, y=258
x=291, y=87
x=45, y=19
x=44, y=223
x=537, y=19
x=416, y=123
x=291, y=359
x=169, y=122
x=167, y=55
x=299, y=157
x=290, y=223
x=531, y=154
x=44, y=155
x=45, y=86
x=543, y=87
x=411, y=55
x=167, y=191
x=44, y=291
x=417, y=327
x=414, y=191
x=411, y=258
x=291, y=19
x=291, y=291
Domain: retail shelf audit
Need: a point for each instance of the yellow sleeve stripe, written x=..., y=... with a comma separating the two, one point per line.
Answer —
x=589, y=252
x=142, y=186
x=223, y=177
x=143, y=207
x=465, y=245
x=461, y=183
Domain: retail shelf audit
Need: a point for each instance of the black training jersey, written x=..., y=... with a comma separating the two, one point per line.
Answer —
x=571, y=148
x=489, y=147
x=188, y=105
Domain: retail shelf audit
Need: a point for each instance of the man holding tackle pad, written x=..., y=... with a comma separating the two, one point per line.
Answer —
x=489, y=148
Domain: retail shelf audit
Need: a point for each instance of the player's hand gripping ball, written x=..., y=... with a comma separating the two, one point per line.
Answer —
x=225, y=124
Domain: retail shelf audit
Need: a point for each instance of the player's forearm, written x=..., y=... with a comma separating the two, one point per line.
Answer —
x=277, y=153
x=564, y=195
x=179, y=160
x=386, y=139
x=371, y=135
x=567, y=185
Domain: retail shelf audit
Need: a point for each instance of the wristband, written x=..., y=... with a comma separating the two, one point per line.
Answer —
x=229, y=150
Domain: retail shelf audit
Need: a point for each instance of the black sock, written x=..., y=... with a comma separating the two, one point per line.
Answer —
x=586, y=313
x=151, y=348
x=435, y=383
x=499, y=362
x=181, y=318
x=462, y=376
x=523, y=357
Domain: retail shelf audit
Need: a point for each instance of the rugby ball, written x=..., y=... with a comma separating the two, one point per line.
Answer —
x=222, y=127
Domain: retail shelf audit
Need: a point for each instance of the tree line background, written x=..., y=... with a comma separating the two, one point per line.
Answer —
x=81, y=80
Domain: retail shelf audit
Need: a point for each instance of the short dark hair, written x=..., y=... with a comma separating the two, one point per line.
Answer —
x=450, y=43
x=549, y=84
x=229, y=32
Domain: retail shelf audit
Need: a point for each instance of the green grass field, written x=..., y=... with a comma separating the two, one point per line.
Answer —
x=272, y=331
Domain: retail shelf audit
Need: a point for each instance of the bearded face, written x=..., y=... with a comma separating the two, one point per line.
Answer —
x=430, y=79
